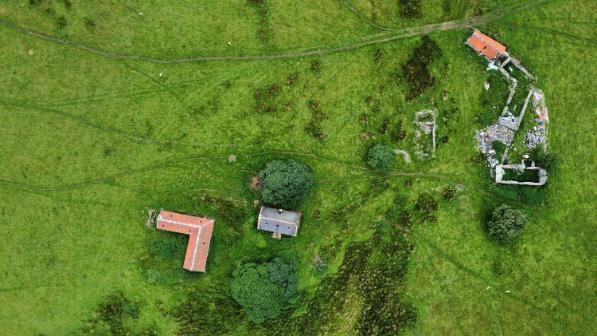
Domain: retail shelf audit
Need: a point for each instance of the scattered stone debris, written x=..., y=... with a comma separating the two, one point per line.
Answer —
x=536, y=136
x=426, y=121
x=539, y=105
x=151, y=218
x=500, y=132
x=404, y=154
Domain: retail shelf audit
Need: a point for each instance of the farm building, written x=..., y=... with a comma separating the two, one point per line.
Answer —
x=280, y=222
x=199, y=230
x=485, y=45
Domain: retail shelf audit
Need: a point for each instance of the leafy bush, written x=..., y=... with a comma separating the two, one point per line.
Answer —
x=381, y=157
x=285, y=183
x=264, y=289
x=506, y=223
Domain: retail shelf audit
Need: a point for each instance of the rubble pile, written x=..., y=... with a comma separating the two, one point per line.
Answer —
x=426, y=121
x=536, y=136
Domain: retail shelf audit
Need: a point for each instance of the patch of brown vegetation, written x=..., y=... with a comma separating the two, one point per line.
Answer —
x=255, y=182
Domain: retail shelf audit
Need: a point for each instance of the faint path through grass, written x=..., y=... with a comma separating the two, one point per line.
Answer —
x=362, y=16
x=394, y=35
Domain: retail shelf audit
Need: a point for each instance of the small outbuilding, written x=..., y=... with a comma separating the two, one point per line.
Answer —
x=199, y=230
x=485, y=45
x=279, y=221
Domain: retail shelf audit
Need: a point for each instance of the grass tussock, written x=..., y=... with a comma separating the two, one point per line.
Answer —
x=416, y=70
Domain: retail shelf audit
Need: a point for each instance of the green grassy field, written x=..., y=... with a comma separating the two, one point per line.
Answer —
x=110, y=112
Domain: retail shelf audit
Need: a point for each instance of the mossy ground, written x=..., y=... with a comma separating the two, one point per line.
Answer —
x=90, y=142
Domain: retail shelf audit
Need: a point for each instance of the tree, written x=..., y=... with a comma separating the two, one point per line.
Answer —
x=506, y=223
x=285, y=183
x=381, y=157
x=264, y=289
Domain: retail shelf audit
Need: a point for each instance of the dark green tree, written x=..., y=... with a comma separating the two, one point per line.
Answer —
x=285, y=183
x=264, y=289
x=381, y=157
x=506, y=223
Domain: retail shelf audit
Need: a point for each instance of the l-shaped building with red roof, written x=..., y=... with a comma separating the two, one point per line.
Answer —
x=199, y=230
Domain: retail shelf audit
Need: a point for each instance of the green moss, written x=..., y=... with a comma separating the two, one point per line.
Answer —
x=169, y=138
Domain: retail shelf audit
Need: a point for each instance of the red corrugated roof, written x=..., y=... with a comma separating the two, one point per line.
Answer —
x=199, y=230
x=485, y=45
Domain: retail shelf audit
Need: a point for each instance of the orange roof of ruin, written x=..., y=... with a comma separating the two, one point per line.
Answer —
x=485, y=45
x=199, y=230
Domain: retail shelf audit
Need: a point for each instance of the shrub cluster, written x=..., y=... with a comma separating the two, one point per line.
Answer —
x=506, y=223
x=381, y=157
x=264, y=289
x=285, y=183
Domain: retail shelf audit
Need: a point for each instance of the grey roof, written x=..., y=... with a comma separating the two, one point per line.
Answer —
x=279, y=221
